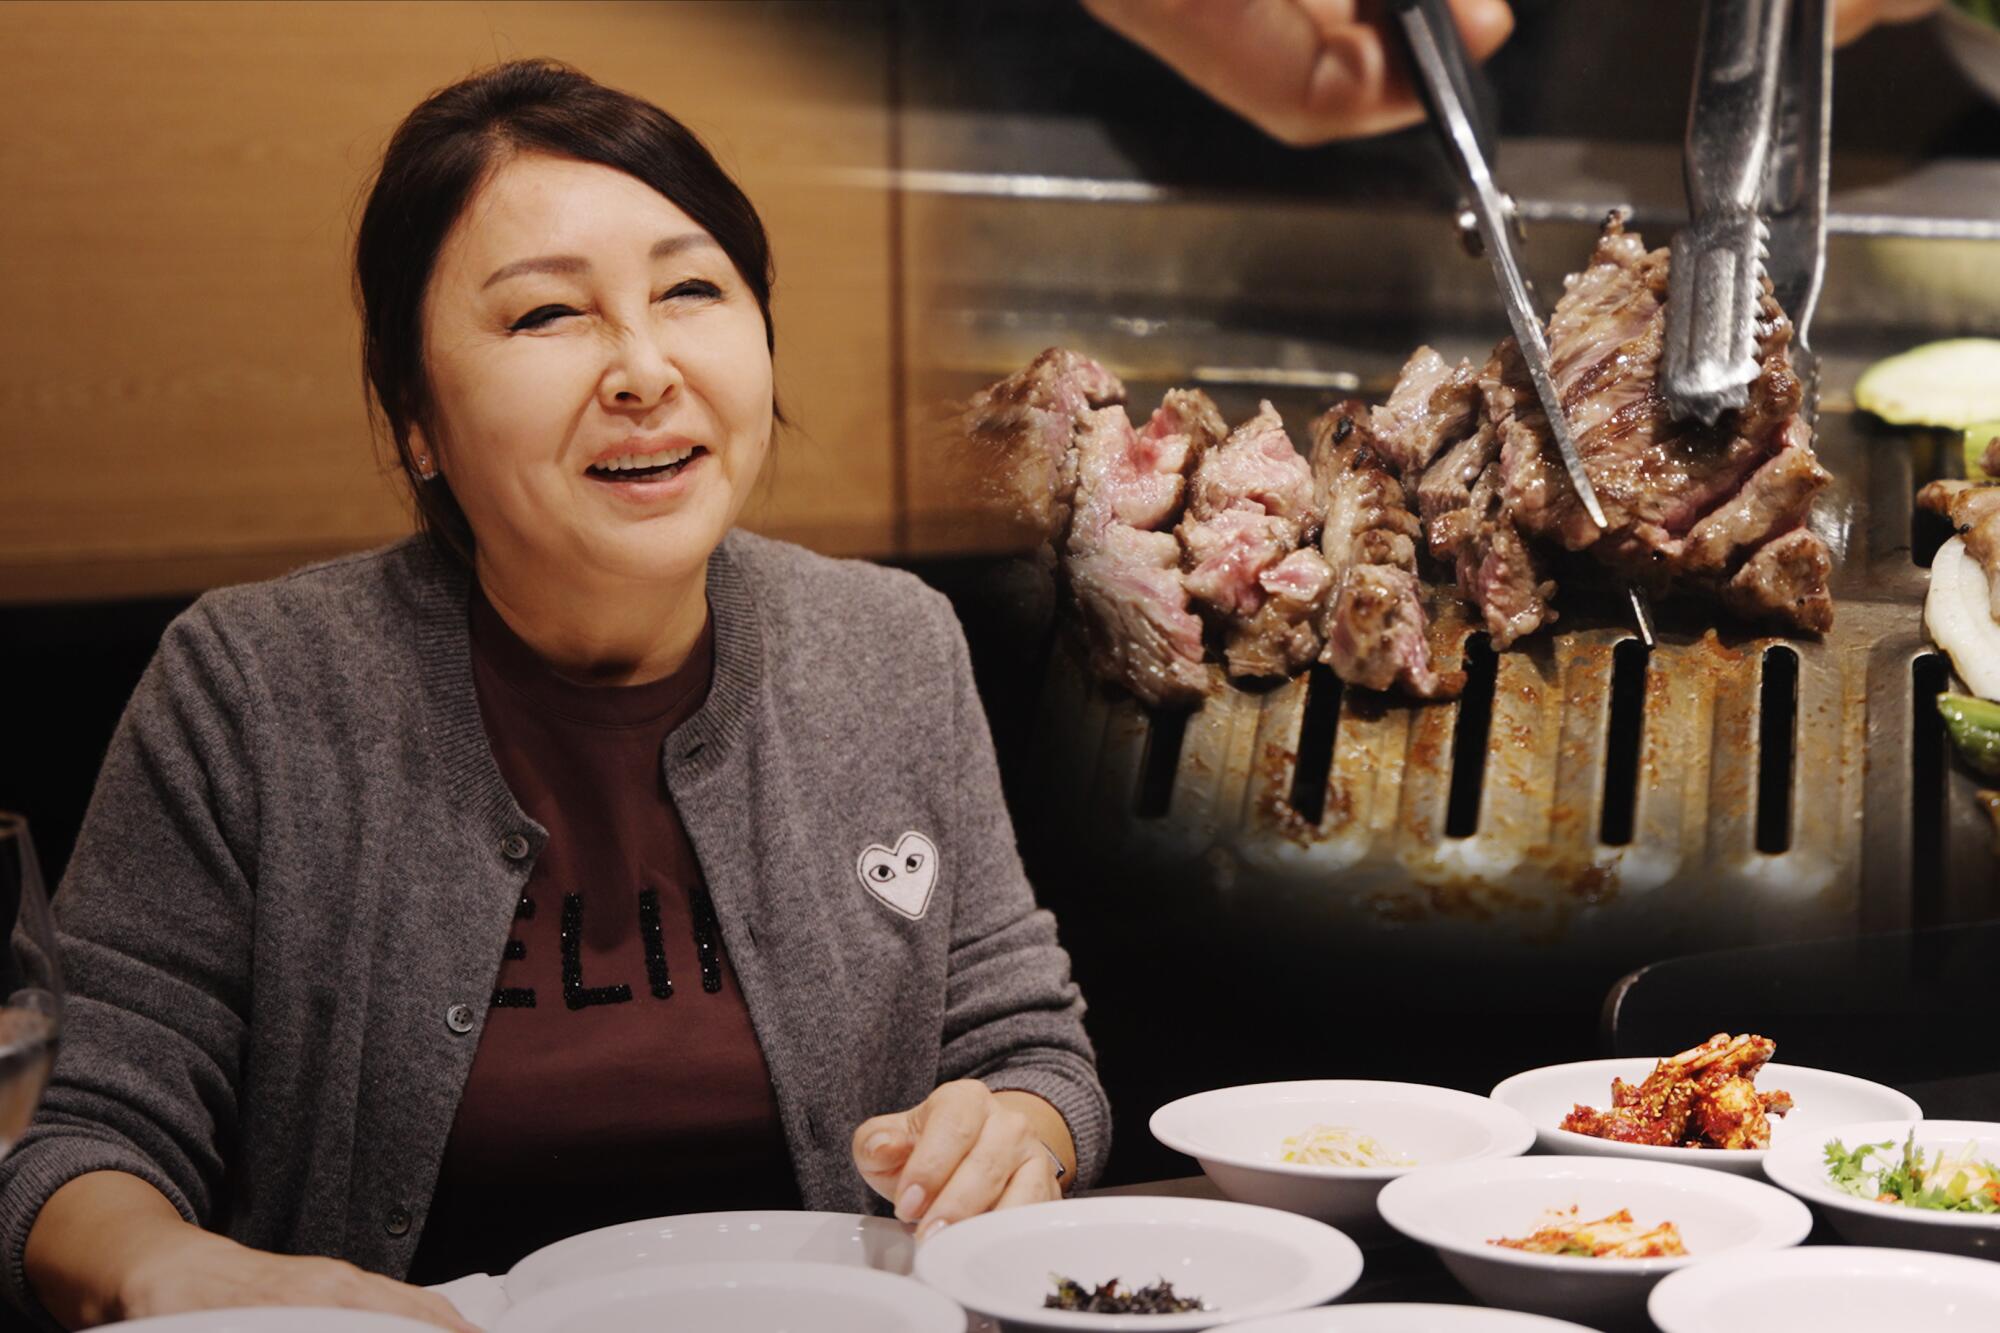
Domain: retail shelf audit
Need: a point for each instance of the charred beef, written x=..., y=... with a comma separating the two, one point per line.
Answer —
x=1374, y=625
x=1019, y=458
x=1687, y=507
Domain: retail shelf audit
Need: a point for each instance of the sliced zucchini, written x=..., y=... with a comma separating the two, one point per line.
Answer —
x=1958, y=612
x=1974, y=727
x=1953, y=384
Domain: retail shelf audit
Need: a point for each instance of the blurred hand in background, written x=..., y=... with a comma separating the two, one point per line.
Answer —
x=1311, y=71
x=1304, y=71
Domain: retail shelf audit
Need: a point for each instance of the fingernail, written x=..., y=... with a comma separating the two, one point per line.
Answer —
x=875, y=1145
x=911, y=1204
x=932, y=1227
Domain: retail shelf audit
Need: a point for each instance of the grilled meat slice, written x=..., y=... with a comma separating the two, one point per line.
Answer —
x=1282, y=636
x=1250, y=507
x=1775, y=500
x=1136, y=618
x=1433, y=404
x=1257, y=468
x=1375, y=627
x=1019, y=434
x=1974, y=510
x=1444, y=494
x=1498, y=571
x=1686, y=505
x=1137, y=478
x=1785, y=580
x=1124, y=576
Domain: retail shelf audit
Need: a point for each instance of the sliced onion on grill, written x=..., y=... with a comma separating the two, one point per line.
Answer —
x=1959, y=614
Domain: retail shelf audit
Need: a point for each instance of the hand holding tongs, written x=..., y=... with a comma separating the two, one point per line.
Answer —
x=1756, y=184
x=1489, y=217
x=1444, y=77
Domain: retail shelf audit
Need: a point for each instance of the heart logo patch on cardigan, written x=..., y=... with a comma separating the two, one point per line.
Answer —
x=901, y=878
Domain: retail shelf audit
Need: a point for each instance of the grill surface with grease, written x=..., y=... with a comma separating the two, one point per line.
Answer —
x=1726, y=787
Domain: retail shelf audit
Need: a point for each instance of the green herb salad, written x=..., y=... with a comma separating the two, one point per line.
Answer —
x=1953, y=1182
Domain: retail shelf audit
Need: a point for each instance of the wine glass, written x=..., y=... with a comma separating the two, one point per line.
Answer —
x=30, y=982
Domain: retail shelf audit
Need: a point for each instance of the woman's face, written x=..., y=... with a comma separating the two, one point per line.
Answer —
x=599, y=376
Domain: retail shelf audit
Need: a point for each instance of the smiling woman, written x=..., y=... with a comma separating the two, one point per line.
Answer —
x=580, y=859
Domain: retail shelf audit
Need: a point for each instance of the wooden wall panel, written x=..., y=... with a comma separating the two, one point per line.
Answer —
x=180, y=394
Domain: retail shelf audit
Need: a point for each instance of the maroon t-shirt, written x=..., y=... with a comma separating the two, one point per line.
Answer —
x=618, y=1076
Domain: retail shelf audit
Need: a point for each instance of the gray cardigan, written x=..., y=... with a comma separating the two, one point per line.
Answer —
x=286, y=911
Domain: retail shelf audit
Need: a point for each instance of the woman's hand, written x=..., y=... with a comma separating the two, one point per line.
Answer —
x=204, y=1271
x=108, y=1246
x=964, y=1150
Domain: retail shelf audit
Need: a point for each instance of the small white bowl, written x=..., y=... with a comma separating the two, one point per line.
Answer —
x=1821, y=1099
x=1388, y=1318
x=1800, y=1166
x=1461, y=1210
x=1832, y=1289
x=852, y=1239
x=272, y=1319
x=740, y=1297
x=1237, y=1134
x=1241, y=1261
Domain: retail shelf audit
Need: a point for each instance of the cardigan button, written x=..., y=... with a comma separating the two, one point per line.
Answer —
x=397, y=1223
x=515, y=847
x=459, y=1018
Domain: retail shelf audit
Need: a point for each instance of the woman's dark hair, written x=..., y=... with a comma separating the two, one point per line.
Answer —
x=437, y=160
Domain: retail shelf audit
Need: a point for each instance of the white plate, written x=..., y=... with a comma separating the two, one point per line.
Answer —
x=1408, y=1319
x=1237, y=1134
x=1800, y=1166
x=1240, y=1260
x=838, y=1238
x=1821, y=1100
x=740, y=1297
x=1832, y=1289
x=1460, y=1210
x=261, y=1319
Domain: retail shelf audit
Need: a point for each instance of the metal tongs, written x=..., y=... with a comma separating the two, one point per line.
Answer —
x=1756, y=184
x=1488, y=222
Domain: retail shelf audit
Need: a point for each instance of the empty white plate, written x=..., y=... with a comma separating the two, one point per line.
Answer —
x=1821, y=1100
x=1238, y=1136
x=739, y=1297
x=1240, y=1261
x=1832, y=1289
x=836, y=1238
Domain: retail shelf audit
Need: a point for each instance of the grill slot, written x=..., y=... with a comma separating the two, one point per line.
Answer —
x=1469, y=738
x=1318, y=734
x=1630, y=663
x=1929, y=768
x=1777, y=732
x=1164, y=739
